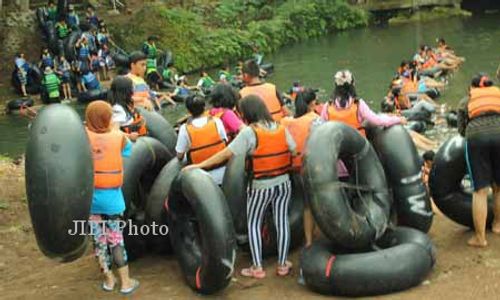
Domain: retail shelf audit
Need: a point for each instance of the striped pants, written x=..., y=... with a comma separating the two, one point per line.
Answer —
x=258, y=201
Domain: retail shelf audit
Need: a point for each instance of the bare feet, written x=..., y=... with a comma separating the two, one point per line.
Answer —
x=495, y=227
x=477, y=242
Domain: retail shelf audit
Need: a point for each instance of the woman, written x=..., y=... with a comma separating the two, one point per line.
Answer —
x=268, y=147
x=300, y=127
x=125, y=116
x=106, y=213
x=479, y=122
x=223, y=99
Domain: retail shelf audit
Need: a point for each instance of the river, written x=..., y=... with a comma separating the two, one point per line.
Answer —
x=371, y=53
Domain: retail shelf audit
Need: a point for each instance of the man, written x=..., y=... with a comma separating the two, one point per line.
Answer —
x=150, y=50
x=143, y=96
x=266, y=91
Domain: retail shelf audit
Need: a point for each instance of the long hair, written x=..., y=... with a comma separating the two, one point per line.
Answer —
x=253, y=110
x=344, y=88
x=481, y=80
x=224, y=96
x=302, y=102
x=121, y=91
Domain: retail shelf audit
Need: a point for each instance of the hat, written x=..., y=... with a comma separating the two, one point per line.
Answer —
x=343, y=77
x=48, y=70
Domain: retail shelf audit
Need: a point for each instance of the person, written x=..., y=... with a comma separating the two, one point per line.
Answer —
x=108, y=146
x=182, y=89
x=125, y=116
x=479, y=122
x=201, y=137
x=223, y=99
x=83, y=51
x=268, y=147
x=225, y=75
x=72, y=18
x=46, y=59
x=51, y=11
x=294, y=90
x=300, y=126
x=102, y=37
x=51, y=84
x=106, y=60
x=446, y=53
x=92, y=18
x=76, y=67
x=90, y=81
x=96, y=64
x=205, y=83
x=169, y=75
x=428, y=158
x=22, y=68
x=64, y=72
x=62, y=28
x=150, y=50
x=266, y=91
x=143, y=96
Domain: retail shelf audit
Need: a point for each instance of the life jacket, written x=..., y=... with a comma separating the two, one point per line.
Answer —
x=47, y=61
x=52, y=13
x=102, y=38
x=267, y=92
x=91, y=82
x=83, y=52
x=226, y=74
x=299, y=128
x=72, y=19
x=149, y=50
x=483, y=100
x=205, y=141
x=138, y=125
x=348, y=116
x=62, y=30
x=106, y=154
x=271, y=156
x=93, y=20
x=141, y=90
x=51, y=84
x=150, y=65
x=429, y=63
x=208, y=82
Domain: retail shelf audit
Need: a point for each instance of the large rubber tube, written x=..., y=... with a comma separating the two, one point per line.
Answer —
x=69, y=47
x=445, y=182
x=140, y=169
x=59, y=181
x=17, y=104
x=234, y=186
x=160, y=129
x=121, y=59
x=268, y=67
x=41, y=17
x=352, y=221
x=166, y=59
x=401, y=259
x=92, y=95
x=201, y=231
x=34, y=81
x=402, y=166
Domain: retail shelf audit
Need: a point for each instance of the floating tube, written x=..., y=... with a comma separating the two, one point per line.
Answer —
x=41, y=17
x=135, y=244
x=181, y=98
x=403, y=171
x=34, y=81
x=59, y=181
x=234, y=186
x=445, y=183
x=121, y=59
x=417, y=126
x=154, y=210
x=160, y=129
x=201, y=231
x=69, y=47
x=407, y=256
x=452, y=119
x=146, y=161
x=17, y=104
x=269, y=68
x=351, y=223
x=92, y=95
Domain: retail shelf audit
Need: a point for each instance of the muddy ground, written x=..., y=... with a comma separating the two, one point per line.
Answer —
x=461, y=272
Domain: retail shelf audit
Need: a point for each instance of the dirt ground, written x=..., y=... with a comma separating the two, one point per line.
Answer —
x=460, y=273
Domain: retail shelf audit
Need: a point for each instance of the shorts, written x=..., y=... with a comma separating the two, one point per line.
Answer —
x=482, y=154
x=66, y=79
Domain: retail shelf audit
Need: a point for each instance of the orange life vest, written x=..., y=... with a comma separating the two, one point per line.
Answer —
x=347, y=116
x=299, y=128
x=107, y=157
x=429, y=63
x=267, y=92
x=138, y=125
x=205, y=141
x=141, y=90
x=483, y=100
x=271, y=156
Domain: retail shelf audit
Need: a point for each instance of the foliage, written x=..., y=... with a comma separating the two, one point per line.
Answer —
x=429, y=15
x=227, y=30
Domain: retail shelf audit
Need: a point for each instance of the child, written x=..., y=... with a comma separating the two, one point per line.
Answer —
x=90, y=81
x=51, y=84
x=95, y=64
x=63, y=70
x=21, y=72
x=108, y=148
x=428, y=157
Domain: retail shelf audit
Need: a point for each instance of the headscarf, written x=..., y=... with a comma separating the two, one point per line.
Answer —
x=98, y=116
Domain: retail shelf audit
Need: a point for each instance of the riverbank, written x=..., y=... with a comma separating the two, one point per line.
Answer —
x=461, y=272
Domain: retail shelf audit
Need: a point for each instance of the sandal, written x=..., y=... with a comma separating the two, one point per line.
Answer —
x=106, y=288
x=135, y=286
x=284, y=270
x=253, y=272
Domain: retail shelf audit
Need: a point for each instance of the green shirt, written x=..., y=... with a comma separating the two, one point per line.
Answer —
x=51, y=83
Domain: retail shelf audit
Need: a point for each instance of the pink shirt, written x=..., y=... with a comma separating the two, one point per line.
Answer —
x=231, y=121
x=364, y=114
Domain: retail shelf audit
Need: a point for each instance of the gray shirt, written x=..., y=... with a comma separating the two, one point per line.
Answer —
x=245, y=143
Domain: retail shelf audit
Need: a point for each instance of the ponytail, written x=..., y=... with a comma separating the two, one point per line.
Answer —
x=302, y=102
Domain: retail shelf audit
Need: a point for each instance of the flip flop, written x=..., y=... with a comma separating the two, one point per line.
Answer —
x=106, y=288
x=135, y=286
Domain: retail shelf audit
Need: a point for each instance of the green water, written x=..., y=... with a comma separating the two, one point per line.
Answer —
x=371, y=53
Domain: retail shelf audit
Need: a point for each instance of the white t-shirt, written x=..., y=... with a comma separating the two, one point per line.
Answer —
x=184, y=143
x=120, y=116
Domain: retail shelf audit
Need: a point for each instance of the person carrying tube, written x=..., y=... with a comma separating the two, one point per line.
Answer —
x=63, y=30
x=151, y=52
x=51, y=11
x=72, y=18
x=266, y=91
x=108, y=146
x=300, y=126
x=143, y=96
x=125, y=116
x=223, y=99
x=201, y=137
x=479, y=122
x=268, y=148
x=46, y=59
x=51, y=85
x=345, y=106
